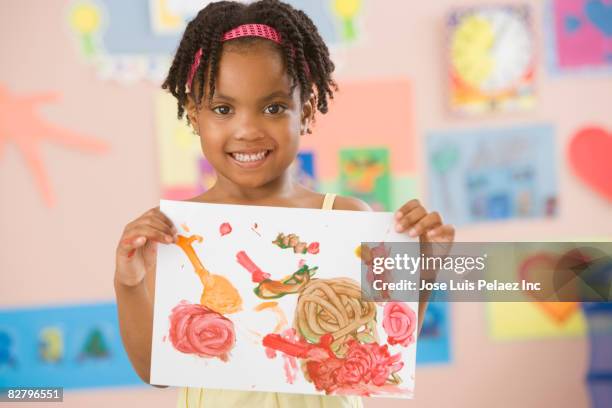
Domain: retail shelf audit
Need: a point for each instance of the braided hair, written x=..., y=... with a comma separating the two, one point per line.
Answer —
x=305, y=54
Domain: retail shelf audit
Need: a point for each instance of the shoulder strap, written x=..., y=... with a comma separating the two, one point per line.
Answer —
x=328, y=201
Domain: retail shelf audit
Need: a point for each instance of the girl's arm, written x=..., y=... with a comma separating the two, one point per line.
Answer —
x=135, y=284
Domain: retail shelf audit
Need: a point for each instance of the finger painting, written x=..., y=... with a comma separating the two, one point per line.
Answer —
x=582, y=34
x=487, y=175
x=270, y=299
x=365, y=174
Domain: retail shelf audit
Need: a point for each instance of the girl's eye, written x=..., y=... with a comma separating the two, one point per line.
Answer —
x=222, y=110
x=275, y=109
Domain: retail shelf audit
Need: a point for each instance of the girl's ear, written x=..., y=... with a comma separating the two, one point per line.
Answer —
x=192, y=113
x=308, y=111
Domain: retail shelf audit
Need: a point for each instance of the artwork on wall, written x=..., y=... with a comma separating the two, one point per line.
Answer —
x=365, y=174
x=277, y=289
x=580, y=34
x=589, y=154
x=135, y=40
x=435, y=337
x=493, y=174
x=22, y=125
x=303, y=169
x=403, y=189
x=76, y=346
x=491, y=57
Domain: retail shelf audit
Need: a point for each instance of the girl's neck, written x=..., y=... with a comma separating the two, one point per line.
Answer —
x=227, y=191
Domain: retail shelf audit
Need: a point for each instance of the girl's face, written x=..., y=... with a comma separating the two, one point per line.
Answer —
x=250, y=131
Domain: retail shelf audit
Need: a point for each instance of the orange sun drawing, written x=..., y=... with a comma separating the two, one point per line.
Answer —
x=21, y=124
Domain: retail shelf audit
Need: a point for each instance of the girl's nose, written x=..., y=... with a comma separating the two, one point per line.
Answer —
x=249, y=129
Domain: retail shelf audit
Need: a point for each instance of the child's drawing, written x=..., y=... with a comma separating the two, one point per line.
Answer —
x=297, y=315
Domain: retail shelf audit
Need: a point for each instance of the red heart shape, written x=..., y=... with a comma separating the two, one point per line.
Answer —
x=536, y=268
x=590, y=154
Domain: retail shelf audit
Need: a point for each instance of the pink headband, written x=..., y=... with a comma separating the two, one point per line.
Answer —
x=245, y=30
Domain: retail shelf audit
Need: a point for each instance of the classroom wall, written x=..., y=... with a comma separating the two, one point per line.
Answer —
x=65, y=253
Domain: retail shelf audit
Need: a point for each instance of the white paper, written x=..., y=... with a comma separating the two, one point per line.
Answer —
x=339, y=234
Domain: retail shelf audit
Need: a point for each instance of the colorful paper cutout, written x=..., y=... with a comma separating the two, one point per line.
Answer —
x=303, y=169
x=491, y=59
x=590, y=153
x=434, y=339
x=183, y=169
x=85, y=20
x=488, y=174
x=513, y=321
x=76, y=346
x=364, y=173
x=347, y=10
x=582, y=32
x=51, y=344
x=22, y=125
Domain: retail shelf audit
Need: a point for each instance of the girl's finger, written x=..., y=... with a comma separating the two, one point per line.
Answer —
x=157, y=214
x=410, y=219
x=150, y=233
x=443, y=233
x=430, y=221
x=148, y=222
x=406, y=208
x=128, y=246
x=159, y=225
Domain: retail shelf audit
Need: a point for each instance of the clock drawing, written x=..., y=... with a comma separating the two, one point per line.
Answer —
x=490, y=59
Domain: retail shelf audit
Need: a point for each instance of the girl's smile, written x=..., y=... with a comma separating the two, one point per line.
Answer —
x=251, y=158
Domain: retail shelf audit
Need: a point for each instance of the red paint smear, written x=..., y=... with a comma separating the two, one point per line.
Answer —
x=131, y=253
x=290, y=364
x=313, y=248
x=365, y=367
x=195, y=329
x=400, y=323
x=225, y=228
x=257, y=275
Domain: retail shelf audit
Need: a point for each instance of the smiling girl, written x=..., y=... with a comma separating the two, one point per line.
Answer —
x=250, y=78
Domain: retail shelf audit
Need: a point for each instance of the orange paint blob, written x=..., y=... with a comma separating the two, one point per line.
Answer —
x=218, y=293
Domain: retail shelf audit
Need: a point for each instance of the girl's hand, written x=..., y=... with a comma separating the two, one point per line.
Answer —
x=137, y=249
x=415, y=219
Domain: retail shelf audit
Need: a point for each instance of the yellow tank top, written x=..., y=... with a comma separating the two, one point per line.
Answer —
x=190, y=397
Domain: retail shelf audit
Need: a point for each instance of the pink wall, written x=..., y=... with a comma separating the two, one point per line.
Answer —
x=65, y=254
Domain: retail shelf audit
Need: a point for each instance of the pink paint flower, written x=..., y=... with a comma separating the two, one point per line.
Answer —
x=195, y=329
x=399, y=322
x=225, y=228
x=313, y=248
x=367, y=363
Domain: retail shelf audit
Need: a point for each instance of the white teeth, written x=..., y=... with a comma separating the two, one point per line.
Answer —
x=243, y=157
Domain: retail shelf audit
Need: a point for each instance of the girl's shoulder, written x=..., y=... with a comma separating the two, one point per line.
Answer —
x=351, y=204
